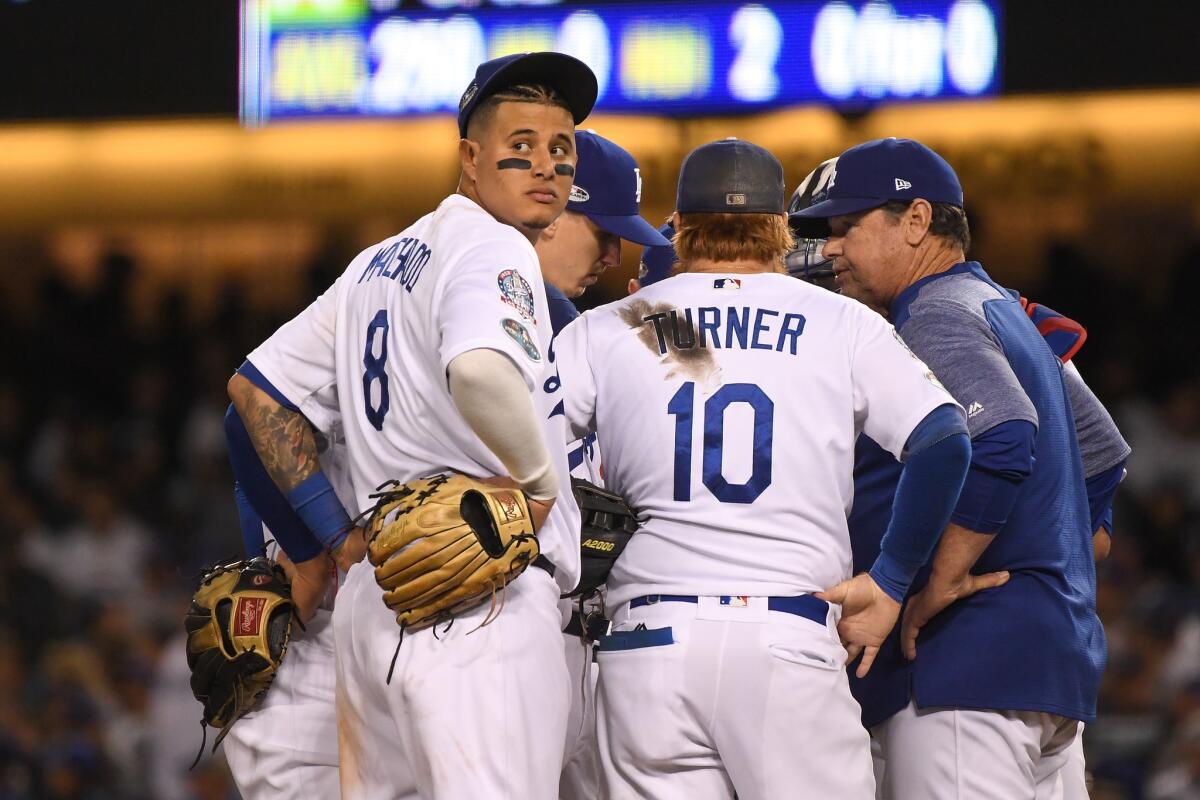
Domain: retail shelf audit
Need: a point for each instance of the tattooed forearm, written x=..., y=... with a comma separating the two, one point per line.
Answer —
x=283, y=438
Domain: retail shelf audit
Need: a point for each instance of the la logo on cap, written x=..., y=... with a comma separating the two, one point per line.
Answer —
x=902, y=184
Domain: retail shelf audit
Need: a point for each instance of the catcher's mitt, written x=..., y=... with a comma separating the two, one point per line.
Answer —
x=607, y=523
x=443, y=545
x=238, y=628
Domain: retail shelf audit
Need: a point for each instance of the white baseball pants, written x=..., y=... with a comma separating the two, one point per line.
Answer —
x=964, y=754
x=287, y=749
x=699, y=700
x=581, y=759
x=471, y=711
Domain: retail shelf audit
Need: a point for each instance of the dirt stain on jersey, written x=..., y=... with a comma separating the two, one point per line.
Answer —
x=670, y=334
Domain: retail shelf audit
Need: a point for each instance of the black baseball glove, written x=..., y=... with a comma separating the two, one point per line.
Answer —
x=238, y=628
x=607, y=523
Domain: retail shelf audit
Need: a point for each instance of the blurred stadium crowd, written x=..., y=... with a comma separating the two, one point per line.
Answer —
x=115, y=492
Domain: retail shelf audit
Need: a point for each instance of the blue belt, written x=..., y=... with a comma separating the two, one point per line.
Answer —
x=805, y=605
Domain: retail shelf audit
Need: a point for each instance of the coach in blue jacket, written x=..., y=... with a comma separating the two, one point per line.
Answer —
x=1001, y=678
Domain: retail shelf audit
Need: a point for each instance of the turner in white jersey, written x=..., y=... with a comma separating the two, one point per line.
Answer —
x=472, y=710
x=729, y=404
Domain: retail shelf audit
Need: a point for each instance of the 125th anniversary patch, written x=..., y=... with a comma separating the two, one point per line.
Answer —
x=515, y=291
x=520, y=334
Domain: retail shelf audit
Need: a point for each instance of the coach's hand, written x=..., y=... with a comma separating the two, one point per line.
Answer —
x=868, y=616
x=309, y=580
x=939, y=593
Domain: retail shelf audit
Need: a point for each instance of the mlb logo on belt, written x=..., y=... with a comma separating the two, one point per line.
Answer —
x=735, y=601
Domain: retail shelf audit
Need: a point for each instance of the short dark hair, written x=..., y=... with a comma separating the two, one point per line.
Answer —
x=520, y=93
x=948, y=221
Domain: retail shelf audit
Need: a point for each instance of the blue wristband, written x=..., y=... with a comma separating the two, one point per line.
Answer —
x=320, y=509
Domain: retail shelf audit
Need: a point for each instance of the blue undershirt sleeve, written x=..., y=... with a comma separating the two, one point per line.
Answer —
x=264, y=497
x=1101, y=489
x=251, y=523
x=1001, y=458
x=938, y=453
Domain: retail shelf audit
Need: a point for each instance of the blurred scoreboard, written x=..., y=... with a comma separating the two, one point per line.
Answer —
x=372, y=58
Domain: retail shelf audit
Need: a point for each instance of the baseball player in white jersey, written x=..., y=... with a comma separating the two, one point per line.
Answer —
x=574, y=251
x=287, y=749
x=726, y=652
x=441, y=334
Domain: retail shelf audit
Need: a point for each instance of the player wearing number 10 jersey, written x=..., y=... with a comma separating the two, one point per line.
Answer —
x=729, y=399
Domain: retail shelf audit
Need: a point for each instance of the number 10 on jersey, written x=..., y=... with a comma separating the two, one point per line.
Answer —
x=713, y=422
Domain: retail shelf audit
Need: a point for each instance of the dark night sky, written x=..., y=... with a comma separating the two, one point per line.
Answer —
x=66, y=59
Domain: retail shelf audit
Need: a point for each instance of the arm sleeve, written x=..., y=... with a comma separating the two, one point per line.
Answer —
x=1001, y=458
x=491, y=395
x=264, y=497
x=297, y=361
x=893, y=389
x=938, y=454
x=1101, y=489
x=1100, y=442
x=489, y=301
x=578, y=382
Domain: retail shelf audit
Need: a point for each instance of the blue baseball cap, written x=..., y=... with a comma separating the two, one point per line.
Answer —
x=657, y=260
x=568, y=76
x=608, y=189
x=873, y=173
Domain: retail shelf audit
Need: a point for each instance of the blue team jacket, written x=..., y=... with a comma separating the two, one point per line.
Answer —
x=1034, y=644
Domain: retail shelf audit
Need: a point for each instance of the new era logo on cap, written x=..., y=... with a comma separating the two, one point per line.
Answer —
x=735, y=199
x=902, y=184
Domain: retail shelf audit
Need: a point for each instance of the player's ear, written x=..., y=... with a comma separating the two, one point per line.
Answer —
x=916, y=221
x=468, y=155
x=675, y=220
x=633, y=286
x=551, y=230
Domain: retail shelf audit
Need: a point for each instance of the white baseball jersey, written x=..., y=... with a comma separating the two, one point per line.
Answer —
x=384, y=334
x=729, y=406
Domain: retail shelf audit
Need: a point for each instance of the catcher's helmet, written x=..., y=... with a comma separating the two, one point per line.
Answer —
x=807, y=261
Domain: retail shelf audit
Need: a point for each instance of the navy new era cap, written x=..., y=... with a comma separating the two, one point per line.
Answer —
x=657, y=260
x=870, y=174
x=732, y=177
x=568, y=76
x=608, y=189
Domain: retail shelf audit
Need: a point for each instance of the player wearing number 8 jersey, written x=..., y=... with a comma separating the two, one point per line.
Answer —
x=436, y=341
x=726, y=649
